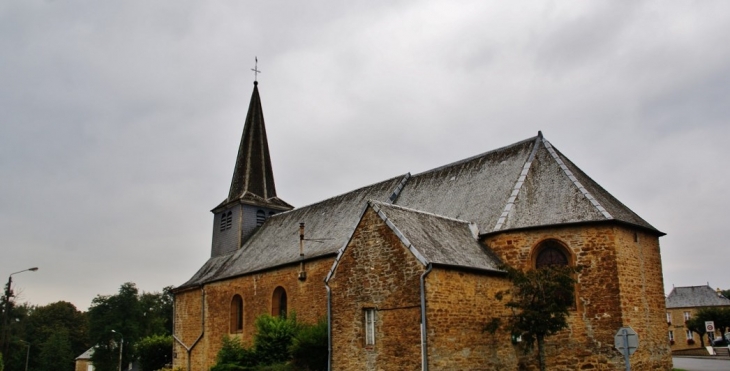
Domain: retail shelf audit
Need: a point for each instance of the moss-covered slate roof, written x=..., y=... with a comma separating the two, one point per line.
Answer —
x=523, y=185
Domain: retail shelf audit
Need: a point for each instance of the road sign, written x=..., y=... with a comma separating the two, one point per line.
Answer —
x=626, y=341
x=710, y=326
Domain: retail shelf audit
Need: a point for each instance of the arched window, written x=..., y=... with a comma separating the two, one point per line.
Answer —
x=236, y=314
x=260, y=218
x=278, y=303
x=549, y=253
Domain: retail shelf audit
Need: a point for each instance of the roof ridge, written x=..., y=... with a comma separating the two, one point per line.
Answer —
x=472, y=158
x=346, y=193
x=399, y=188
x=575, y=181
x=378, y=203
x=518, y=184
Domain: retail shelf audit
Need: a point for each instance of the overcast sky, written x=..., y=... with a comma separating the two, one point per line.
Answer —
x=120, y=120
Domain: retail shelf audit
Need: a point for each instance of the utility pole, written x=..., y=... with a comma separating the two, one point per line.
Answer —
x=7, y=304
x=121, y=348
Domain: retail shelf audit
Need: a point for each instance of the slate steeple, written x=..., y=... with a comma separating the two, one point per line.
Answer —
x=252, y=197
x=253, y=177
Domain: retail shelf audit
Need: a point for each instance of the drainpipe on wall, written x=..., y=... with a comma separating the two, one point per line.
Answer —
x=424, y=334
x=189, y=350
x=329, y=326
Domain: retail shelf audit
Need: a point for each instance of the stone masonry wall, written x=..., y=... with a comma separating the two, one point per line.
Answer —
x=307, y=298
x=601, y=299
x=459, y=305
x=188, y=326
x=376, y=271
x=642, y=295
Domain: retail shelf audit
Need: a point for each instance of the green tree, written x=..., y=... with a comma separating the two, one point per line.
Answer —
x=154, y=352
x=157, y=312
x=697, y=324
x=123, y=314
x=131, y=315
x=2, y=364
x=45, y=321
x=14, y=358
x=56, y=353
x=540, y=301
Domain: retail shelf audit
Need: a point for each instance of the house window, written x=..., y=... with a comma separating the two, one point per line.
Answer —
x=236, y=314
x=260, y=218
x=278, y=303
x=549, y=253
x=370, y=326
x=686, y=316
x=671, y=335
x=690, y=335
x=669, y=317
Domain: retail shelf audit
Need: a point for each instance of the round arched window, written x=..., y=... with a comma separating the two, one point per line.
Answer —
x=549, y=253
x=278, y=302
x=236, y=314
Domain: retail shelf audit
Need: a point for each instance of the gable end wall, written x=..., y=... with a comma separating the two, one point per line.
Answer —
x=610, y=285
x=376, y=271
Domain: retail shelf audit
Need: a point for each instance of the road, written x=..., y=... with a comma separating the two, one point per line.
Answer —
x=700, y=364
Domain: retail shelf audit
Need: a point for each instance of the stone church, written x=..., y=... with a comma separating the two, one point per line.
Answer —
x=406, y=270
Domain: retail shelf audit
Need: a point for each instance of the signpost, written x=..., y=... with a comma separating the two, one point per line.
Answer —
x=626, y=341
x=710, y=326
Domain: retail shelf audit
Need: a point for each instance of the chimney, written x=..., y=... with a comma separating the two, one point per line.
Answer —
x=302, y=273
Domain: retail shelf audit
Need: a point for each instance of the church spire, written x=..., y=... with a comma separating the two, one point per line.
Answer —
x=253, y=177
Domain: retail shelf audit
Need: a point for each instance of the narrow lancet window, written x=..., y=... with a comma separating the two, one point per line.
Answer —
x=369, y=326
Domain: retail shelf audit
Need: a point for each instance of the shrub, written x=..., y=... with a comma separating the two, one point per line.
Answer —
x=154, y=352
x=273, y=338
x=233, y=356
x=280, y=344
x=309, y=347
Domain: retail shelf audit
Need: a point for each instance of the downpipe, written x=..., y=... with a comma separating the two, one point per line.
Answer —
x=424, y=334
x=329, y=326
x=189, y=349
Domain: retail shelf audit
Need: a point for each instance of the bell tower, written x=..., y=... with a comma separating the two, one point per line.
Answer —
x=252, y=196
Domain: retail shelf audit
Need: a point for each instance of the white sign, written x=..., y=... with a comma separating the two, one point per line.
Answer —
x=710, y=326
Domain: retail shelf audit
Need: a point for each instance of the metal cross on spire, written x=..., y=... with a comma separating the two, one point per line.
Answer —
x=256, y=71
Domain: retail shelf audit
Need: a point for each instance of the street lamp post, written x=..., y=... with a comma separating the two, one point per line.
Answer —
x=121, y=347
x=7, y=306
x=27, y=353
